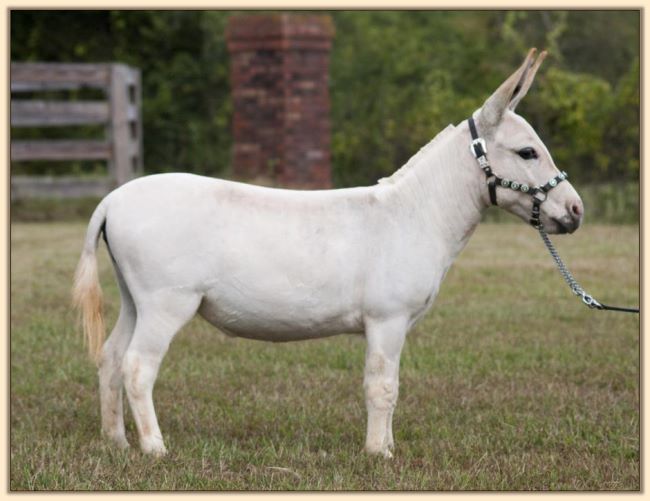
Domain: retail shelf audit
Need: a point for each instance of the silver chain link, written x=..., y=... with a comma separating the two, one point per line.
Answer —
x=566, y=274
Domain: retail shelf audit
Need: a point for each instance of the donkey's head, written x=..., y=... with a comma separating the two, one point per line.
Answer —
x=516, y=153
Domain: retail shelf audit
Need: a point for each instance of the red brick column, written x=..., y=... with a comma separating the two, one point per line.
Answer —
x=279, y=73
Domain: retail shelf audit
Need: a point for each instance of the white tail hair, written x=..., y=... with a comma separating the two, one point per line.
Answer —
x=87, y=292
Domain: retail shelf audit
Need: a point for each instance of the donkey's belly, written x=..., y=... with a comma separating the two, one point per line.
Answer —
x=274, y=321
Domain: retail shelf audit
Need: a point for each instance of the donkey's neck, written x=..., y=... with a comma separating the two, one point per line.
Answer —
x=440, y=190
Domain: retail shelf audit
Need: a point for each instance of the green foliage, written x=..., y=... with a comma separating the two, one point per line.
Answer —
x=590, y=126
x=397, y=78
x=186, y=105
x=399, y=94
x=571, y=111
x=622, y=132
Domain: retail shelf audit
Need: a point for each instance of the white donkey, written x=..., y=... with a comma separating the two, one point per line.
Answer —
x=285, y=265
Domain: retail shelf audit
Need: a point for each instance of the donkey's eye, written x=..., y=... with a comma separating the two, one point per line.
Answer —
x=527, y=153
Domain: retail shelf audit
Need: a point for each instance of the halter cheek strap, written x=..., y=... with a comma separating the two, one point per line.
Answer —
x=479, y=149
x=539, y=193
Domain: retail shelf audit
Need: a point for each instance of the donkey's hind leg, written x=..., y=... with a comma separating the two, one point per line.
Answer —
x=110, y=368
x=159, y=319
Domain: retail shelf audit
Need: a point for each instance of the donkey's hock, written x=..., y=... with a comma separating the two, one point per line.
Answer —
x=283, y=265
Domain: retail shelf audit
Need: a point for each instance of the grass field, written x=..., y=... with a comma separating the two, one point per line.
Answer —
x=507, y=383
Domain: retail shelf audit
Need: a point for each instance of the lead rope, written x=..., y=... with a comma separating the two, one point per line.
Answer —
x=573, y=284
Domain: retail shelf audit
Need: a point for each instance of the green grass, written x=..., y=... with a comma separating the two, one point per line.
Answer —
x=508, y=383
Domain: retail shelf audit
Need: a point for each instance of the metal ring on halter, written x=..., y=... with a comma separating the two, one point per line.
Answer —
x=540, y=200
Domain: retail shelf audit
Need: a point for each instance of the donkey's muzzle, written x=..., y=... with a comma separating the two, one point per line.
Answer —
x=575, y=211
x=571, y=221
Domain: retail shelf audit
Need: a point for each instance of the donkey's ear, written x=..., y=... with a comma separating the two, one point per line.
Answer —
x=495, y=106
x=528, y=81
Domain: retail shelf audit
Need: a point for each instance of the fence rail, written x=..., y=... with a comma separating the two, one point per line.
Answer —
x=120, y=114
x=58, y=187
x=60, y=150
x=30, y=77
x=25, y=113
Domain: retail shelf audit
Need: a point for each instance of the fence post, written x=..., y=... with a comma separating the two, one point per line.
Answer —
x=125, y=124
x=135, y=110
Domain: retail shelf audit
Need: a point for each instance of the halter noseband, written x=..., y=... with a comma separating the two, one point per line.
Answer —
x=539, y=193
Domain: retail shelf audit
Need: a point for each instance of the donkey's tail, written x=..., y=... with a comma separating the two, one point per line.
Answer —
x=87, y=293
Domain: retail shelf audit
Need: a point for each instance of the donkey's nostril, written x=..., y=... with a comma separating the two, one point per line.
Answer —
x=576, y=208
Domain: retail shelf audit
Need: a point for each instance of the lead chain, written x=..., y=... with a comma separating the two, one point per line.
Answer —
x=566, y=274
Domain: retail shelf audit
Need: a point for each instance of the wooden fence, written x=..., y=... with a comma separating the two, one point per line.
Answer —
x=121, y=147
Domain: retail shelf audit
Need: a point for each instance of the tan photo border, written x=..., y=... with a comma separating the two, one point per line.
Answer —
x=298, y=5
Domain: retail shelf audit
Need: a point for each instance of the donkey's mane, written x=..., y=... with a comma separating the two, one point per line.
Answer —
x=427, y=148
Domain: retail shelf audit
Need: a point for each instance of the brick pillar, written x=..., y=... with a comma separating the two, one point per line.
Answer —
x=279, y=73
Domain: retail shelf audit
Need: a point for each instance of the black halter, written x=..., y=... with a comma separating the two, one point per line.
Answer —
x=539, y=193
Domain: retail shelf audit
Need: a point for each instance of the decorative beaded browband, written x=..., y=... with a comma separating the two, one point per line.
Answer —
x=538, y=193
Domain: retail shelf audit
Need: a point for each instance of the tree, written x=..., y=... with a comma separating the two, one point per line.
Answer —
x=397, y=78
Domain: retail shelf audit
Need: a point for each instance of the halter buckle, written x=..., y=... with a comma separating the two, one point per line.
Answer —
x=481, y=143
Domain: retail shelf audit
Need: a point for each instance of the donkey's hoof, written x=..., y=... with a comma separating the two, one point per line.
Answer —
x=121, y=443
x=156, y=453
x=118, y=441
x=159, y=453
x=155, y=450
x=381, y=451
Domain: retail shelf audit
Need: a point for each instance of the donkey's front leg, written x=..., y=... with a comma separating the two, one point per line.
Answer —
x=385, y=339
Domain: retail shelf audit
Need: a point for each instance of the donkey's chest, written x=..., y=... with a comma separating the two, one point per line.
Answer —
x=420, y=291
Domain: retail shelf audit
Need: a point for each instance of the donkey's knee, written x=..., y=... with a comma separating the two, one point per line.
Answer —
x=379, y=383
